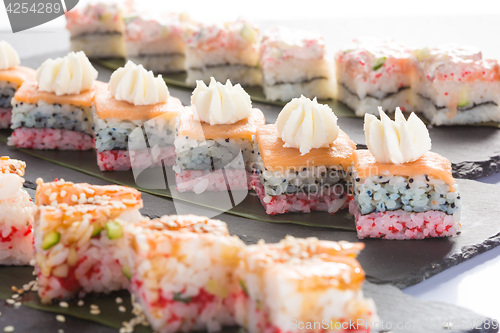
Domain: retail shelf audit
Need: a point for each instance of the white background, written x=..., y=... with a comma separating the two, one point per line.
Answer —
x=473, y=284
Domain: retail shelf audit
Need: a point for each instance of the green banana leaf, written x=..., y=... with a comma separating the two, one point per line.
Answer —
x=243, y=204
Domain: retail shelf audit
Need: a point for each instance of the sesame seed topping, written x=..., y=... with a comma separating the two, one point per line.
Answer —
x=121, y=308
x=119, y=300
x=8, y=329
x=63, y=304
x=60, y=318
x=80, y=303
x=95, y=312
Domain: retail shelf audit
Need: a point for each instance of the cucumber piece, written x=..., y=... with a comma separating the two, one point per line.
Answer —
x=463, y=96
x=97, y=230
x=50, y=239
x=127, y=271
x=114, y=230
x=378, y=63
x=178, y=297
x=244, y=287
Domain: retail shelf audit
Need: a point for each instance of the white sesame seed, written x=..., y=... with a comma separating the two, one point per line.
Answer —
x=80, y=303
x=17, y=304
x=15, y=296
x=8, y=329
x=94, y=307
x=95, y=312
x=60, y=330
x=63, y=193
x=74, y=198
x=119, y=300
x=53, y=196
x=60, y=318
x=121, y=308
x=63, y=304
x=10, y=301
x=39, y=181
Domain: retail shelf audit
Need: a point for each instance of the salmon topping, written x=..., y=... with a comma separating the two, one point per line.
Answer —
x=243, y=129
x=107, y=107
x=278, y=158
x=431, y=164
x=17, y=75
x=29, y=93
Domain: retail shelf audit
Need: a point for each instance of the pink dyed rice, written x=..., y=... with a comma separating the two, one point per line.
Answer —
x=5, y=116
x=400, y=224
x=299, y=202
x=121, y=160
x=49, y=138
x=199, y=181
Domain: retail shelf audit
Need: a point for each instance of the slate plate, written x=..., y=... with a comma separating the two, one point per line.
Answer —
x=398, y=312
x=402, y=263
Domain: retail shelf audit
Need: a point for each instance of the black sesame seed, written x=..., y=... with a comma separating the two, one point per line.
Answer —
x=428, y=196
x=357, y=179
x=380, y=177
x=458, y=198
x=442, y=196
x=407, y=187
x=227, y=140
x=304, y=169
x=452, y=205
x=411, y=180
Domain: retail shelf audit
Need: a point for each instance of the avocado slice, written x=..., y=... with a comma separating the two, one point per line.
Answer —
x=97, y=230
x=127, y=271
x=50, y=239
x=114, y=230
x=378, y=63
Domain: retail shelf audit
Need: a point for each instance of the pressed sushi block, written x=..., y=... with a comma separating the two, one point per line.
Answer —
x=303, y=160
x=401, y=190
x=12, y=75
x=157, y=41
x=55, y=110
x=214, y=145
x=97, y=29
x=373, y=74
x=135, y=100
x=182, y=272
x=456, y=85
x=295, y=63
x=289, y=286
x=16, y=214
x=80, y=247
x=227, y=51
x=69, y=193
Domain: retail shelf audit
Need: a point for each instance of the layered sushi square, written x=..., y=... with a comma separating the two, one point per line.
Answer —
x=291, y=177
x=97, y=29
x=295, y=63
x=182, y=272
x=135, y=105
x=12, y=75
x=55, y=110
x=455, y=85
x=80, y=247
x=16, y=214
x=214, y=146
x=157, y=42
x=407, y=194
x=375, y=74
x=290, y=286
x=227, y=51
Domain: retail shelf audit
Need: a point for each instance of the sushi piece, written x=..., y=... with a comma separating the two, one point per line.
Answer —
x=97, y=29
x=455, y=85
x=303, y=160
x=214, y=145
x=79, y=242
x=295, y=63
x=135, y=99
x=297, y=282
x=182, y=272
x=17, y=213
x=375, y=74
x=12, y=75
x=401, y=189
x=225, y=52
x=55, y=110
x=157, y=42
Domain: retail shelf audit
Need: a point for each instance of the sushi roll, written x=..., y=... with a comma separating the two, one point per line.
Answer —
x=225, y=52
x=373, y=74
x=135, y=100
x=295, y=284
x=12, y=75
x=17, y=213
x=182, y=272
x=97, y=29
x=55, y=110
x=214, y=145
x=455, y=86
x=401, y=189
x=295, y=63
x=303, y=160
x=80, y=247
x=157, y=42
